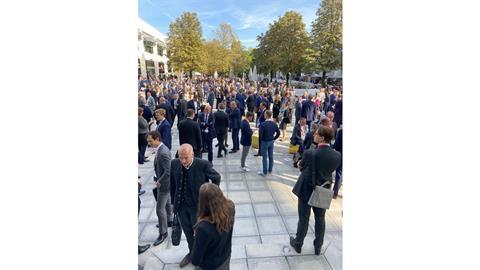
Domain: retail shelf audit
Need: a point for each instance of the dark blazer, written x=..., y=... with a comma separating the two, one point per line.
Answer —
x=189, y=132
x=221, y=122
x=298, y=111
x=207, y=125
x=182, y=109
x=309, y=110
x=246, y=139
x=251, y=102
x=307, y=143
x=165, y=130
x=201, y=171
x=161, y=165
x=338, y=145
x=326, y=161
x=170, y=112
x=296, y=135
x=235, y=118
x=191, y=105
x=240, y=101
x=211, y=98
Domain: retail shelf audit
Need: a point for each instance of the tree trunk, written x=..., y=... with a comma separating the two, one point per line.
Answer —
x=271, y=76
x=288, y=77
x=324, y=73
x=191, y=74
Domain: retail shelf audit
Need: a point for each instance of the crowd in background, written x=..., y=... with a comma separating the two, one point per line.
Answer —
x=210, y=108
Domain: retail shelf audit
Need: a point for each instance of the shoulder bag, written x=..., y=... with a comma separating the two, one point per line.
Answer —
x=321, y=197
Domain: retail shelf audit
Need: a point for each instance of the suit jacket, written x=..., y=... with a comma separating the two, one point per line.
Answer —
x=326, y=161
x=247, y=132
x=309, y=110
x=201, y=171
x=191, y=105
x=211, y=98
x=170, y=112
x=182, y=109
x=165, y=130
x=298, y=111
x=240, y=101
x=189, y=132
x=221, y=122
x=207, y=126
x=260, y=117
x=161, y=165
x=297, y=135
x=235, y=118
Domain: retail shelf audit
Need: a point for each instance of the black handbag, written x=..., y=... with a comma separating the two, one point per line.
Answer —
x=176, y=231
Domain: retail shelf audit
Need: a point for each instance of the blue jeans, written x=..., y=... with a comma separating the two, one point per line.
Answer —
x=267, y=149
x=338, y=179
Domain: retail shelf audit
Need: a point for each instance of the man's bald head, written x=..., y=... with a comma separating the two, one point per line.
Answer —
x=185, y=154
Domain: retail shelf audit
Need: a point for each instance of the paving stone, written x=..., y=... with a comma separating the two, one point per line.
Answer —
x=257, y=185
x=279, y=263
x=238, y=252
x=271, y=225
x=236, y=185
x=288, y=208
x=265, y=209
x=334, y=254
x=145, y=213
x=264, y=250
x=291, y=222
x=239, y=196
x=243, y=210
x=308, y=262
x=245, y=227
x=243, y=240
x=234, y=175
x=149, y=234
x=261, y=196
x=238, y=264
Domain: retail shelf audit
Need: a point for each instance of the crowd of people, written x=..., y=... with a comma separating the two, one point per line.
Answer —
x=206, y=109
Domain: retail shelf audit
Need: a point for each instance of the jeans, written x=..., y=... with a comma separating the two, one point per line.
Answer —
x=338, y=179
x=188, y=217
x=302, y=226
x=245, y=150
x=267, y=149
x=164, y=211
x=236, y=141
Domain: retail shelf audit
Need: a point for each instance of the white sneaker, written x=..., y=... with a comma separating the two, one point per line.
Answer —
x=261, y=173
x=245, y=169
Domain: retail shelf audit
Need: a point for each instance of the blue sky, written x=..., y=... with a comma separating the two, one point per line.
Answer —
x=248, y=18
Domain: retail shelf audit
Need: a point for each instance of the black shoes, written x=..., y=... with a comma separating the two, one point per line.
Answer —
x=142, y=249
x=317, y=251
x=141, y=192
x=185, y=261
x=257, y=155
x=219, y=156
x=295, y=246
x=232, y=151
x=160, y=239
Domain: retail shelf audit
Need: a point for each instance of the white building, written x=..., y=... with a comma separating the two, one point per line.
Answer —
x=152, y=51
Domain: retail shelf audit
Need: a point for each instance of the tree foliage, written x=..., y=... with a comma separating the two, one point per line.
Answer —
x=185, y=45
x=217, y=57
x=327, y=36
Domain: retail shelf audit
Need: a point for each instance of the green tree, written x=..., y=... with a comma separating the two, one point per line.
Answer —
x=185, y=47
x=217, y=57
x=225, y=34
x=327, y=36
x=290, y=42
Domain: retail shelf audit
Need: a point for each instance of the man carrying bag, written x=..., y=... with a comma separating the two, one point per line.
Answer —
x=316, y=166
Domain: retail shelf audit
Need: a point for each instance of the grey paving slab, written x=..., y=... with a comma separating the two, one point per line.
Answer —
x=265, y=209
x=245, y=227
x=279, y=263
x=238, y=252
x=334, y=254
x=236, y=185
x=153, y=263
x=145, y=213
x=149, y=234
x=235, y=175
x=243, y=240
x=261, y=196
x=238, y=264
x=288, y=208
x=243, y=210
x=177, y=267
x=239, y=196
x=265, y=250
x=257, y=185
x=271, y=225
x=308, y=262
x=291, y=223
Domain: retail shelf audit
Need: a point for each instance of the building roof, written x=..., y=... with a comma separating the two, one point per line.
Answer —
x=147, y=28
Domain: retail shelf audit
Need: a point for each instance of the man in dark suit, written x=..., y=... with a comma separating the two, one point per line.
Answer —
x=194, y=105
x=161, y=177
x=211, y=97
x=299, y=134
x=235, y=117
x=250, y=101
x=187, y=174
x=169, y=111
x=181, y=109
x=298, y=109
x=164, y=128
x=317, y=166
x=221, y=124
x=309, y=110
x=205, y=119
x=260, y=120
x=240, y=100
x=338, y=145
x=189, y=132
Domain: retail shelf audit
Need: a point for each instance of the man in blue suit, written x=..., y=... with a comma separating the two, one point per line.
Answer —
x=164, y=127
x=211, y=97
x=240, y=98
x=260, y=120
x=235, y=118
x=309, y=110
x=205, y=119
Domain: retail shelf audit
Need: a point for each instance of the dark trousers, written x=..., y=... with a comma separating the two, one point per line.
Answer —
x=188, y=218
x=302, y=226
x=208, y=146
x=221, y=146
x=235, y=139
x=142, y=147
x=338, y=179
x=197, y=153
x=204, y=141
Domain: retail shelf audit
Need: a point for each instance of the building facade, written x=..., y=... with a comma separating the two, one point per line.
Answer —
x=152, y=51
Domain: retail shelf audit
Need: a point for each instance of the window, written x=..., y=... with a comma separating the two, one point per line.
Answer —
x=148, y=46
x=160, y=49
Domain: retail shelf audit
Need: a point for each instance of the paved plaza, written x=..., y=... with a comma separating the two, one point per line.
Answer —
x=266, y=215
